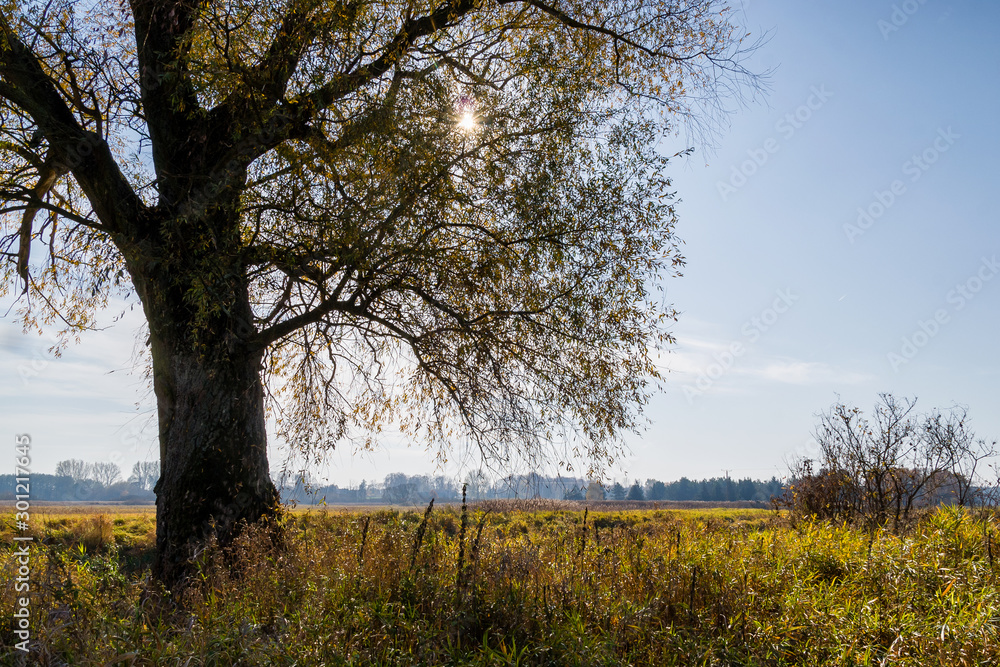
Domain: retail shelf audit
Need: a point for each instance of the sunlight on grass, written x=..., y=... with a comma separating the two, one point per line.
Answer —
x=546, y=587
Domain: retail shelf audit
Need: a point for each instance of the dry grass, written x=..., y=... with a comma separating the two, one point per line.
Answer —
x=52, y=508
x=103, y=527
x=541, y=587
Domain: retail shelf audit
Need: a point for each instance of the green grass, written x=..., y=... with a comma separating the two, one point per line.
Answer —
x=550, y=587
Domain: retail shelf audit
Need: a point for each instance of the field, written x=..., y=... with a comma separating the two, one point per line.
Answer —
x=499, y=585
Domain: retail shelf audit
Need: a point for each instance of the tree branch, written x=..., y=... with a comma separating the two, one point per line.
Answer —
x=294, y=117
x=25, y=84
x=174, y=117
x=47, y=177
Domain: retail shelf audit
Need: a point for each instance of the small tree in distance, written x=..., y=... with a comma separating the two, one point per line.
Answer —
x=145, y=474
x=75, y=469
x=105, y=473
x=635, y=493
x=656, y=490
x=595, y=490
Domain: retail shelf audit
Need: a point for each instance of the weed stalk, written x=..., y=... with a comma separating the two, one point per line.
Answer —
x=419, y=539
x=459, y=582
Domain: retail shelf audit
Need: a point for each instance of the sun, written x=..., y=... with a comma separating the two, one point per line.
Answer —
x=467, y=122
x=465, y=110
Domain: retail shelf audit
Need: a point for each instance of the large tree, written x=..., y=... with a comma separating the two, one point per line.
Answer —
x=442, y=216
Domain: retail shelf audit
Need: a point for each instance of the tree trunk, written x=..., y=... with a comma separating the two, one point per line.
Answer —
x=213, y=455
x=214, y=475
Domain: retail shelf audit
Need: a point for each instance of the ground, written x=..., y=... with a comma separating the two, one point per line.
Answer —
x=503, y=586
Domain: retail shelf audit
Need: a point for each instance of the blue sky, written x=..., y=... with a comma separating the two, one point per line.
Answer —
x=842, y=239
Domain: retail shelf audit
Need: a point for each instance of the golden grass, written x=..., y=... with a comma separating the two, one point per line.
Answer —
x=95, y=527
x=51, y=509
x=544, y=587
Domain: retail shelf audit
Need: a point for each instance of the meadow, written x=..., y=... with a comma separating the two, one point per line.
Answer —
x=503, y=584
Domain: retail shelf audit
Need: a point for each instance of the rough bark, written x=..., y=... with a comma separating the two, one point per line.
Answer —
x=214, y=475
x=213, y=455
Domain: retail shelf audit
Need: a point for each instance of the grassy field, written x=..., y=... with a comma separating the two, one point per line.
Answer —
x=502, y=586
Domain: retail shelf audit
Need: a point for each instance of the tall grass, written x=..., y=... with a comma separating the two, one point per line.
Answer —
x=550, y=587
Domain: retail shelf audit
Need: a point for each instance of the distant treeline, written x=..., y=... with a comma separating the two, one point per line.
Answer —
x=399, y=488
x=64, y=488
x=716, y=489
x=81, y=481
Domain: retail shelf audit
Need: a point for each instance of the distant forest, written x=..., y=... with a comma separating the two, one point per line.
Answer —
x=66, y=489
x=81, y=481
x=401, y=489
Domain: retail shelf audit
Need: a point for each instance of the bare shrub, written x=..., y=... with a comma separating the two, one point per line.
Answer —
x=882, y=470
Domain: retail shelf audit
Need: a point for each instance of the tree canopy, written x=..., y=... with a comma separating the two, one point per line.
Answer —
x=449, y=217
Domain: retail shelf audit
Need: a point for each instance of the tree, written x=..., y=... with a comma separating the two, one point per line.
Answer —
x=618, y=491
x=478, y=485
x=442, y=215
x=399, y=489
x=574, y=493
x=950, y=435
x=746, y=489
x=687, y=489
x=105, y=473
x=144, y=474
x=656, y=490
x=445, y=489
x=881, y=469
x=635, y=493
x=824, y=495
x=74, y=468
x=595, y=490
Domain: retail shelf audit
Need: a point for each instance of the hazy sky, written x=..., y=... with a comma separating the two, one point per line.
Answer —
x=842, y=240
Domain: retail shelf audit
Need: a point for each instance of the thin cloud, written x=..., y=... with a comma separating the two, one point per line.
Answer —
x=806, y=372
